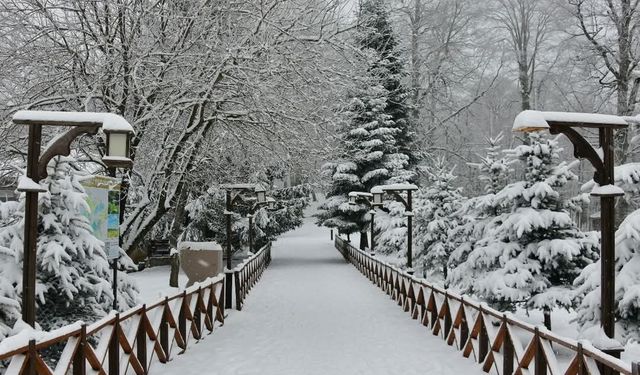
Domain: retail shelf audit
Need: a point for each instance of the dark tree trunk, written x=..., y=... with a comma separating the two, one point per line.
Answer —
x=364, y=240
x=547, y=319
x=175, y=270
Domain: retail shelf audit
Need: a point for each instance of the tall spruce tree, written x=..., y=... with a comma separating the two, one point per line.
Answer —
x=435, y=217
x=531, y=253
x=376, y=145
x=476, y=215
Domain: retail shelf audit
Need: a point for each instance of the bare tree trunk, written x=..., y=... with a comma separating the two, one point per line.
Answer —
x=179, y=217
x=174, y=235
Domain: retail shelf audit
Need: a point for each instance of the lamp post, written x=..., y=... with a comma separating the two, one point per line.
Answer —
x=234, y=194
x=366, y=198
x=603, y=162
x=118, y=132
x=396, y=190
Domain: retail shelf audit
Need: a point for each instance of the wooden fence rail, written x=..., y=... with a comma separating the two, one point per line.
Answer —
x=248, y=273
x=124, y=343
x=498, y=341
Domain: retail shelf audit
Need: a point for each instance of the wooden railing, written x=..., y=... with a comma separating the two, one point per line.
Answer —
x=247, y=274
x=124, y=343
x=498, y=341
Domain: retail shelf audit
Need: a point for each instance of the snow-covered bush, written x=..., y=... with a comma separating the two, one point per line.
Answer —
x=73, y=274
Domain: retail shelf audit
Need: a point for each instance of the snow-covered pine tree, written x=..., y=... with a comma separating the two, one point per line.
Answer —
x=477, y=213
x=533, y=252
x=72, y=267
x=10, y=268
x=376, y=146
x=435, y=217
x=627, y=293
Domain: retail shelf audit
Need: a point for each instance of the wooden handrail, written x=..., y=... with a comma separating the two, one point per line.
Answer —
x=165, y=327
x=468, y=326
x=247, y=274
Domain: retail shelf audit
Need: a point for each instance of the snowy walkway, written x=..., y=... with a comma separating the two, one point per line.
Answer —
x=313, y=313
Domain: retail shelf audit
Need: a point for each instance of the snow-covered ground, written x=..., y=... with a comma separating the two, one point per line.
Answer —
x=154, y=283
x=313, y=313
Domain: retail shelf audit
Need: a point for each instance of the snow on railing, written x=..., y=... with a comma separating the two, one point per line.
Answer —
x=121, y=343
x=501, y=343
x=247, y=274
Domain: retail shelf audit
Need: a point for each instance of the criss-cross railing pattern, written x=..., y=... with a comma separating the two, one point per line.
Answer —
x=248, y=273
x=124, y=343
x=498, y=341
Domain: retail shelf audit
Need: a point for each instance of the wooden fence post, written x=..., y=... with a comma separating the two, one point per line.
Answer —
x=483, y=339
x=508, y=350
x=114, y=348
x=164, y=328
x=31, y=361
x=447, y=315
x=236, y=276
x=635, y=368
x=141, y=340
x=540, y=360
x=79, y=361
x=464, y=325
x=182, y=319
x=197, y=314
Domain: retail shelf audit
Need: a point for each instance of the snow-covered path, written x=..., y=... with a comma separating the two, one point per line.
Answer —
x=313, y=313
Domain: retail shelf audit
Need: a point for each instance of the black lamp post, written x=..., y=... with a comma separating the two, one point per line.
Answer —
x=118, y=132
x=396, y=190
x=603, y=162
x=358, y=196
x=234, y=193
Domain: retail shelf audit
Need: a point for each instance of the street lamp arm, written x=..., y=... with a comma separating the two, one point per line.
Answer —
x=62, y=146
x=365, y=201
x=400, y=199
x=582, y=149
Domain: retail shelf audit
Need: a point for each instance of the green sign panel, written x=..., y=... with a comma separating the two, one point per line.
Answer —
x=103, y=198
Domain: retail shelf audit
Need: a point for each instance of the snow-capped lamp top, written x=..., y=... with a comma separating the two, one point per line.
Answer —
x=360, y=194
x=392, y=187
x=117, y=130
x=377, y=190
x=354, y=195
x=108, y=121
x=377, y=193
x=253, y=187
x=607, y=191
x=531, y=121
